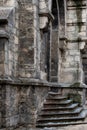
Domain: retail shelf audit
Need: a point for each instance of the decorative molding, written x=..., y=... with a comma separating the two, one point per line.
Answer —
x=4, y=13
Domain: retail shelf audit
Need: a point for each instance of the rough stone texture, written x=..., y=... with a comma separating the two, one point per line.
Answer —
x=26, y=38
x=54, y=57
x=27, y=43
x=77, y=127
x=33, y=46
x=76, y=30
x=20, y=105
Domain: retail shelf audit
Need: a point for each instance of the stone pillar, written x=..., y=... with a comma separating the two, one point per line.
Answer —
x=62, y=35
x=27, y=39
x=45, y=28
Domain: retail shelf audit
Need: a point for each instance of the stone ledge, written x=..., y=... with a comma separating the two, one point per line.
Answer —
x=78, y=39
x=63, y=38
x=28, y=82
x=75, y=8
x=41, y=83
x=76, y=23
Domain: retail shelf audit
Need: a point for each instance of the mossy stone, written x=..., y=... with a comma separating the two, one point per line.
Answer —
x=76, y=97
x=75, y=85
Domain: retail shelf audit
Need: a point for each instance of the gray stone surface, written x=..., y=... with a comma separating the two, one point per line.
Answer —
x=33, y=46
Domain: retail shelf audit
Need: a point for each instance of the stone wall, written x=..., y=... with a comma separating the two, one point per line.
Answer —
x=76, y=34
x=9, y=19
x=19, y=104
x=26, y=56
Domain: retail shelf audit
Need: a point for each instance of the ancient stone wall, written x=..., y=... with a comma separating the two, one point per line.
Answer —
x=76, y=34
x=9, y=25
x=19, y=104
x=28, y=26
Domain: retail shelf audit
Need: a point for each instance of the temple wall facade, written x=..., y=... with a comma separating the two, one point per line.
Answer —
x=41, y=44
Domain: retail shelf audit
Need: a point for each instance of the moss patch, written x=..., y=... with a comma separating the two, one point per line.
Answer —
x=75, y=85
x=76, y=97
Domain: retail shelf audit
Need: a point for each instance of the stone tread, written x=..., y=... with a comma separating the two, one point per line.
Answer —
x=76, y=111
x=56, y=98
x=58, y=103
x=72, y=106
x=64, y=119
x=53, y=93
x=59, y=124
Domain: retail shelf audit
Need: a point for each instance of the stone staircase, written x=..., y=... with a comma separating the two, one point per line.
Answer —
x=59, y=111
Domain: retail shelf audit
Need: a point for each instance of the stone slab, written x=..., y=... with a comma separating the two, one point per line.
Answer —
x=76, y=127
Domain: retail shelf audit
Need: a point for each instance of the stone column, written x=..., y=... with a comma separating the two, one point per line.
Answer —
x=28, y=39
x=45, y=28
x=62, y=35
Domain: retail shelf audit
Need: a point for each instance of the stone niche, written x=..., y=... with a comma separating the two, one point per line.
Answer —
x=3, y=53
x=4, y=41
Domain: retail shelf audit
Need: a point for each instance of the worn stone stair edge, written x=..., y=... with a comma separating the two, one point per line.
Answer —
x=59, y=124
x=56, y=98
x=60, y=103
x=51, y=124
x=81, y=116
x=78, y=110
x=69, y=107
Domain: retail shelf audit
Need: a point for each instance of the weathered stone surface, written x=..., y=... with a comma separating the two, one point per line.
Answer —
x=19, y=105
x=33, y=46
x=77, y=127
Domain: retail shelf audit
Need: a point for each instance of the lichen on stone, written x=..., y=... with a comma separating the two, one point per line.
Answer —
x=75, y=85
x=76, y=97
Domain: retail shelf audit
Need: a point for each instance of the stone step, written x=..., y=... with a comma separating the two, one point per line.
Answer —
x=59, y=111
x=56, y=103
x=54, y=94
x=47, y=114
x=56, y=98
x=81, y=116
x=74, y=121
x=66, y=108
x=55, y=106
x=58, y=124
